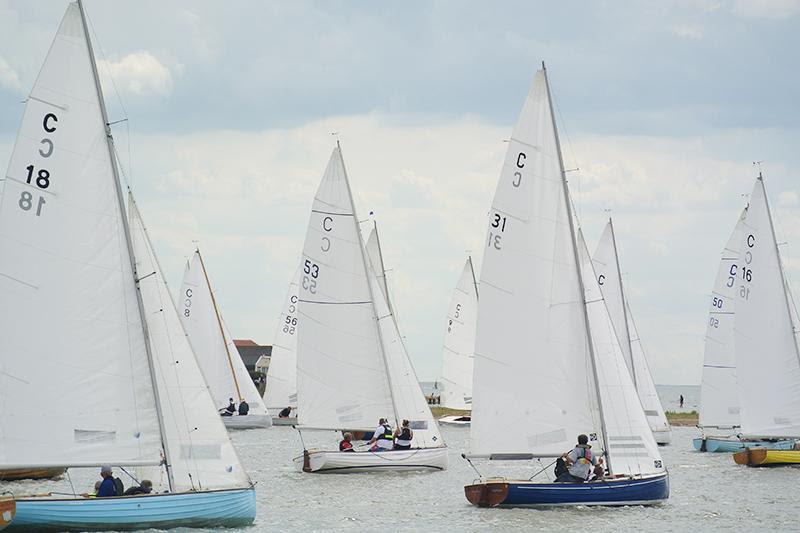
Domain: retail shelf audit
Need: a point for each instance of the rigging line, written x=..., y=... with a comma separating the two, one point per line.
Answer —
x=574, y=157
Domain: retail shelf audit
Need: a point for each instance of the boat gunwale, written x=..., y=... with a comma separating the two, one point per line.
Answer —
x=46, y=498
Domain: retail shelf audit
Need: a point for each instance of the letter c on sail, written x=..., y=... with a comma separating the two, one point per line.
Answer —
x=751, y=241
x=326, y=244
x=601, y=279
x=325, y=222
x=48, y=117
x=521, y=160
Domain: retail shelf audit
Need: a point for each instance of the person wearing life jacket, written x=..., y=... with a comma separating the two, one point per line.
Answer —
x=580, y=462
x=403, y=436
x=383, y=438
x=345, y=445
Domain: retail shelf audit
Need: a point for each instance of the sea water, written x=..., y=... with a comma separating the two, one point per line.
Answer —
x=709, y=492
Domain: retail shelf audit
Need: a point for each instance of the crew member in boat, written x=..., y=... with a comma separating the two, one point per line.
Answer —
x=231, y=409
x=108, y=486
x=286, y=412
x=403, y=436
x=580, y=462
x=244, y=407
x=346, y=444
x=383, y=438
x=145, y=487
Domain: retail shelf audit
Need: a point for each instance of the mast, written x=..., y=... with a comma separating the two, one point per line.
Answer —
x=780, y=266
x=369, y=286
x=219, y=323
x=578, y=265
x=127, y=231
x=472, y=271
x=624, y=303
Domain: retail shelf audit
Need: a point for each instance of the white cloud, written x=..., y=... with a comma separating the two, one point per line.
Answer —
x=788, y=199
x=688, y=31
x=772, y=9
x=8, y=77
x=139, y=73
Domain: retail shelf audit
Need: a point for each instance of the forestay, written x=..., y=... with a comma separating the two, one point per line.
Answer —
x=632, y=450
x=281, y=389
x=719, y=397
x=533, y=390
x=198, y=447
x=217, y=355
x=341, y=376
x=606, y=265
x=459, y=342
x=75, y=384
x=767, y=359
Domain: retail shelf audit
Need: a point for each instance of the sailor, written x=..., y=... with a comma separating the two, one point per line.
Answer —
x=145, y=487
x=580, y=462
x=285, y=413
x=107, y=485
x=383, y=438
x=403, y=436
x=346, y=445
x=244, y=407
x=231, y=409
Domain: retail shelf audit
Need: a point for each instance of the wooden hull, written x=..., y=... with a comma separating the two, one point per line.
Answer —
x=764, y=457
x=8, y=510
x=247, y=422
x=222, y=508
x=732, y=444
x=393, y=460
x=508, y=493
x=39, y=473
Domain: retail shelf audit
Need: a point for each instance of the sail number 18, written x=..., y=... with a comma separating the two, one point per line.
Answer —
x=39, y=177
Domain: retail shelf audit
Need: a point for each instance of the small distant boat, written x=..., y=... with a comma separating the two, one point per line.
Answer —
x=28, y=473
x=766, y=344
x=352, y=365
x=609, y=277
x=734, y=444
x=456, y=420
x=459, y=346
x=548, y=363
x=217, y=355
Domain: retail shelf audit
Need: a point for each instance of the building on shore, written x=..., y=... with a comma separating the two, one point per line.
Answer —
x=255, y=356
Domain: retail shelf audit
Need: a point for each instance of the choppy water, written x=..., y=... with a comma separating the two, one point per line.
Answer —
x=708, y=492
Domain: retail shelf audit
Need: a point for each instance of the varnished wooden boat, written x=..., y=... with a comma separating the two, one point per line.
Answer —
x=28, y=473
x=764, y=457
x=8, y=509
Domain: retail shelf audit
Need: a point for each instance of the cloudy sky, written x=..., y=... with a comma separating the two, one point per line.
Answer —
x=663, y=107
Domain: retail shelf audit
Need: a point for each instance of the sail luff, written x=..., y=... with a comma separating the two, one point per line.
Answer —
x=128, y=241
x=627, y=334
x=365, y=261
x=578, y=263
x=219, y=324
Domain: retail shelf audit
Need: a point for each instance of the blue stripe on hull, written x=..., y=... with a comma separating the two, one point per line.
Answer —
x=735, y=445
x=223, y=508
x=629, y=492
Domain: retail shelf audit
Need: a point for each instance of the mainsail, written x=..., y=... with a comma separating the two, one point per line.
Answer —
x=75, y=385
x=767, y=356
x=281, y=391
x=719, y=397
x=459, y=342
x=606, y=265
x=199, y=451
x=222, y=366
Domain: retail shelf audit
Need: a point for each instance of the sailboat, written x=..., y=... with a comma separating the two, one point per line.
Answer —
x=765, y=342
x=122, y=386
x=352, y=366
x=548, y=365
x=609, y=277
x=459, y=348
x=225, y=373
x=281, y=391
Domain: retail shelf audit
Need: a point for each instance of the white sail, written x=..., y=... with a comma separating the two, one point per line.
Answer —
x=341, y=375
x=219, y=360
x=198, y=448
x=719, y=398
x=533, y=389
x=375, y=255
x=281, y=391
x=632, y=447
x=409, y=400
x=767, y=358
x=459, y=342
x=75, y=383
x=606, y=265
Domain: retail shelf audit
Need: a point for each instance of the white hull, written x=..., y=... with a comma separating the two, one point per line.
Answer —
x=663, y=436
x=247, y=421
x=289, y=421
x=455, y=420
x=395, y=460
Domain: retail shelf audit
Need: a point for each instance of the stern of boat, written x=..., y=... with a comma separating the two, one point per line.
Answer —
x=490, y=493
x=8, y=510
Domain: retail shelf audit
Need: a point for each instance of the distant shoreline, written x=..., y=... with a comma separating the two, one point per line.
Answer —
x=675, y=418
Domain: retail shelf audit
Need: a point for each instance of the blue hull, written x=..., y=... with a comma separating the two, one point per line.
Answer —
x=502, y=493
x=732, y=445
x=222, y=508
